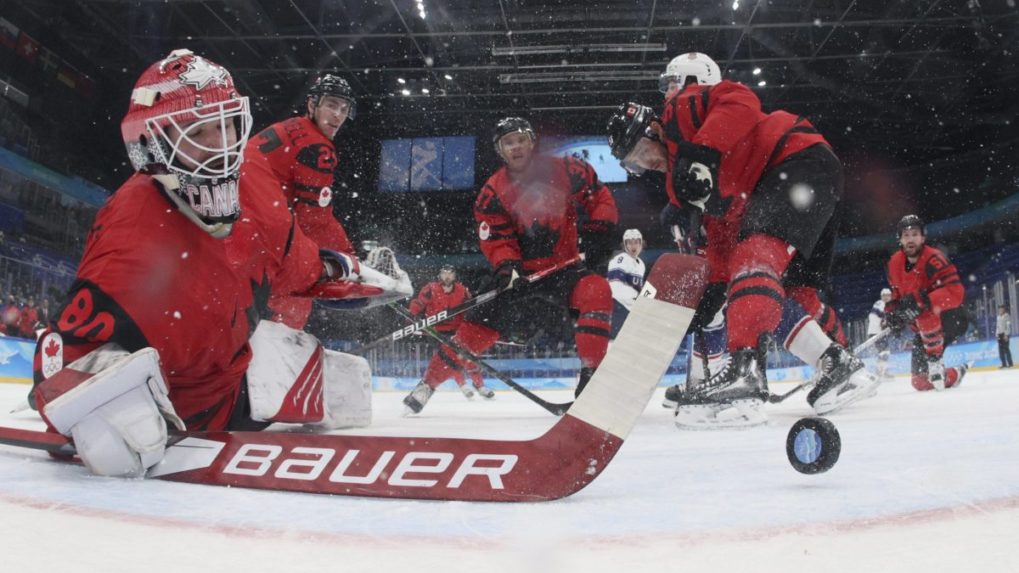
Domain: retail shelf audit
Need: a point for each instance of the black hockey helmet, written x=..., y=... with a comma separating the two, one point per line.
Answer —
x=910, y=221
x=510, y=125
x=447, y=267
x=333, y=85
x=628, y=124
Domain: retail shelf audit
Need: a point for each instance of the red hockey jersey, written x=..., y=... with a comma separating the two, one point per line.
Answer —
x=432, y=298
x=933, y=279
x=534, y=219
x=728, y=117
x=150, y=277
x=299, y=159
x=302, y=160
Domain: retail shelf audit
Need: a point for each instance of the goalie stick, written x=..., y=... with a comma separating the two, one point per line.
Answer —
x=778, y=398
x=552, y=407
x=569, y=456
x=447, y=314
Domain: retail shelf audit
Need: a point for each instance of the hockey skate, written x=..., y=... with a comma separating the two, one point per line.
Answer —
x=962, y=372
x=485, y=392
x=468, y=391
x=418, y=397
x=842, y=381
x=733, y=398
x=936, y=372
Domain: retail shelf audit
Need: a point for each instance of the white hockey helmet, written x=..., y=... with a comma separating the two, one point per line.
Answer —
x=689, y=68
x=632, y=235
x=886, y=291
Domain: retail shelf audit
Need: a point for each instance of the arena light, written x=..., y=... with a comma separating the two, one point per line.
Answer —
x=587, y=76
x=576, y=49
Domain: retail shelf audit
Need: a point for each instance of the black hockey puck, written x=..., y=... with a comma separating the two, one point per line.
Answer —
x=813, y=445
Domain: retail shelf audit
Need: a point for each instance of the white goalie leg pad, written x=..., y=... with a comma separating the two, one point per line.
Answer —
x=285, y=376
x=348, y=392
x=116, y=415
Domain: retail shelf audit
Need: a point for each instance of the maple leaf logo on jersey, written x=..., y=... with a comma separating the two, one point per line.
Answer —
x=200, y=73
x=52, y=348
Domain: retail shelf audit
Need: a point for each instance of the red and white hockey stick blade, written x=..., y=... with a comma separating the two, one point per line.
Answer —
x=561, y=462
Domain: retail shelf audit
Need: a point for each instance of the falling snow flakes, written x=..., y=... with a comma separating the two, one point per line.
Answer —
x=184, y=255
x=176, y=314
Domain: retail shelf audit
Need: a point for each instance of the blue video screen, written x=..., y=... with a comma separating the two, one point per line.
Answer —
x=427, y=164
x=593, y=149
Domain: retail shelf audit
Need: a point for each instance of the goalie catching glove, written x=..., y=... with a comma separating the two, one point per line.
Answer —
x=348, y=284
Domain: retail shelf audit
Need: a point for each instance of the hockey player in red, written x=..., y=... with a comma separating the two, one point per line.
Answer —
x=158, y=321
x=527, y=215
x=441, y=295
x=299, y=154
x=768, y=185
x=927, y=296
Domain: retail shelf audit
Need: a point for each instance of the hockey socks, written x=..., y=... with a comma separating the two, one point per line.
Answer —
x=446, y=364
x=592, y=298
x=755, y=290
x=824, y=314
x=801, y=335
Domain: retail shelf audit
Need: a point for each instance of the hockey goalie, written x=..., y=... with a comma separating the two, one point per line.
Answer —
x=161, y=324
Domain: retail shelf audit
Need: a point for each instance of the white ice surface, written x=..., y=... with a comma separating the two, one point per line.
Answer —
x=926, y=482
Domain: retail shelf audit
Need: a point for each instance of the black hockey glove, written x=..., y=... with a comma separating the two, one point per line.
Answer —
x=507, y=276
x=900, y=313
x=596, y=243
x=695, y=173
x=684, y=225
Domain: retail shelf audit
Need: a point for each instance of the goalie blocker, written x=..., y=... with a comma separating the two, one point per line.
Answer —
x=561, y=462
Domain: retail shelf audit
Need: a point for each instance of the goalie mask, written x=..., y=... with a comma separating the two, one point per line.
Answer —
x=186, y=125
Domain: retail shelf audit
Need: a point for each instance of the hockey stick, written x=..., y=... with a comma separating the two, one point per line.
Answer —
x=447, y=314
x=778, y=398
x=447, y=341
x=569, y=456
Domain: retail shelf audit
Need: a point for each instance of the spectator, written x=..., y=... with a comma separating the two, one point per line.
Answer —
x=29, y=319
x=44, y=312
x=11, y=316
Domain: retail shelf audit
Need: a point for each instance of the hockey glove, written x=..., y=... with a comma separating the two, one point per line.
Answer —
x=684, y=224
x=596, y=242
x=695, y=173
x=900, y=313
x=337, y=265
x=507, y=276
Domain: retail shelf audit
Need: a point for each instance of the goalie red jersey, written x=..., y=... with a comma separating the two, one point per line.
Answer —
x=167, y=285
x=534, y=220
x=301, y=160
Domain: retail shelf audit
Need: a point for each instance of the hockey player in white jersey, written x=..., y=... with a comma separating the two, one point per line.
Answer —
x=626, y=277
x=875, y=321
